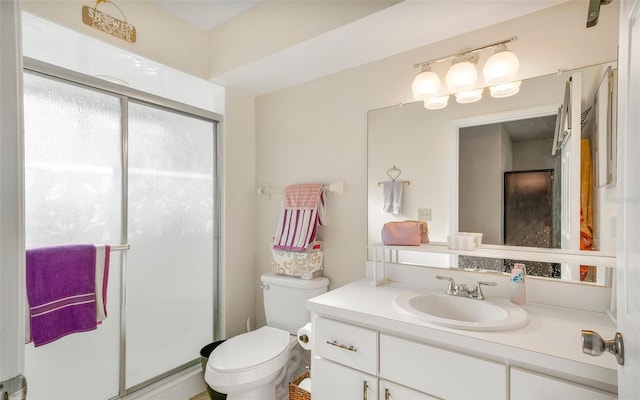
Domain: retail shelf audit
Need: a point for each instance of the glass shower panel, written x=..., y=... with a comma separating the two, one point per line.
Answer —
x=73, y=180
x=170, y=267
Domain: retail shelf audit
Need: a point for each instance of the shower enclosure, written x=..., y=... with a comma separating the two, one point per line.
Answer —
x=110, y=165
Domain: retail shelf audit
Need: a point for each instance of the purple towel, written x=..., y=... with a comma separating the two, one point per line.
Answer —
x=61, y=291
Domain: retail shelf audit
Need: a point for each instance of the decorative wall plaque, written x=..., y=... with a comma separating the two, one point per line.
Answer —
x=106, y=23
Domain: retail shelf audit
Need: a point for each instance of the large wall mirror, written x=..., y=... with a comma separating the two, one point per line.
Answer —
x=488, y=167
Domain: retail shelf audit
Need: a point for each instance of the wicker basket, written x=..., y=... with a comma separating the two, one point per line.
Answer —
x=295, y=392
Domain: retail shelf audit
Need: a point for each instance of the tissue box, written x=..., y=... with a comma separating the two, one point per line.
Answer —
x=477, y=237
x=304, y=264
x=462, y=242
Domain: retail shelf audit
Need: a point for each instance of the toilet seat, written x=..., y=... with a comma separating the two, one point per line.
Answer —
x=249, y=350
x=248, y=360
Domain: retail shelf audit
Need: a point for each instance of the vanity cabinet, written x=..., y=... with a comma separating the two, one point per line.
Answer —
x=355, y=362
x=526, y=385
x=345, y=366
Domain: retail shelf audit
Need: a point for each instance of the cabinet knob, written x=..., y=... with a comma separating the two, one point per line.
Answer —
x=593, y=345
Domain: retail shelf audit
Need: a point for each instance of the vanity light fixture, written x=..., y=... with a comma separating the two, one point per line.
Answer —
x=469, y=96
x=505, y=89
x=436, y=103
x=499, y=73
x=426, y=84
x=462, y=75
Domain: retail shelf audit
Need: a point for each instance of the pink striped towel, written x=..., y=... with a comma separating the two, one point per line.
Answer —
x=303, y=211
x=102, y=280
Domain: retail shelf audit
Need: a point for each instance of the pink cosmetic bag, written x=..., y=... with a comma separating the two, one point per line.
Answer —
x=405, y=233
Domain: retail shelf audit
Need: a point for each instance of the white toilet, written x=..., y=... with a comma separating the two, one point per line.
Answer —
x=251, y=365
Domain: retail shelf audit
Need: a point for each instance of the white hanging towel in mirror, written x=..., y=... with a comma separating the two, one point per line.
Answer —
x=392, y=196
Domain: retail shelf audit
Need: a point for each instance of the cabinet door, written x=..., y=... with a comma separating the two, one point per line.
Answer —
x=331, y=381
x=530, y=385
x=391, y=391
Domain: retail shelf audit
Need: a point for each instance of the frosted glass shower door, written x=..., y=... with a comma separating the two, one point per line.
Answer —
x=170, y=267
x=73, y=190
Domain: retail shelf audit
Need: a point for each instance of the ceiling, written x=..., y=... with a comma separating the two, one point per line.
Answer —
x=401, y=27
x=205, y=14
x=531, y=129
x=523, y=130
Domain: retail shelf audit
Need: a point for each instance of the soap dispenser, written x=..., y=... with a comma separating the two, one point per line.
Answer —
x=518, y=288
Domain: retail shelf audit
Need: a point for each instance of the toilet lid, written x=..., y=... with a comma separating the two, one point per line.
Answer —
x=249, y=349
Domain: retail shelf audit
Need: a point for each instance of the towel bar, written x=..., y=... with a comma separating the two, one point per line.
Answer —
x=336, y=187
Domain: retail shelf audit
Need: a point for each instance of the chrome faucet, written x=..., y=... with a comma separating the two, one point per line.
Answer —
x=462, y=290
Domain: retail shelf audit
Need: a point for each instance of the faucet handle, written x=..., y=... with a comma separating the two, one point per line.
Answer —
x=478, y=289
x=451, y=289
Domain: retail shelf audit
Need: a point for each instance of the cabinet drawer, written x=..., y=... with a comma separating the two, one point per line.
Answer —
x=346, y=344
x=530, y=385
x=439, y=372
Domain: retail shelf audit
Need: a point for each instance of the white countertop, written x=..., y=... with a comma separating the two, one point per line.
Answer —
x=551, y=342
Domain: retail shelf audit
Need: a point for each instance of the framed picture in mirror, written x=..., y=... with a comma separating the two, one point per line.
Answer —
x=604, y=132
x=563, y=121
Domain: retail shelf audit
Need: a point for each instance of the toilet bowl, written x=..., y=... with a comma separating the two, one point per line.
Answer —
x=258, y=365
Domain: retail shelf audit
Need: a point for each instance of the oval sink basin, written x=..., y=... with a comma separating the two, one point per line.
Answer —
x=462, y=313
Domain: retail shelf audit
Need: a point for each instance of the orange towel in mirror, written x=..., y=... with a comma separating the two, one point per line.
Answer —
x=586, y=197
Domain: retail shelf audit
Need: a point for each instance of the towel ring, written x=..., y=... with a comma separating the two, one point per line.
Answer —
x=394, y=173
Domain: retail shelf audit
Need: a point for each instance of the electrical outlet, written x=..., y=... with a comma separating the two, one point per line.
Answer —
x=424, y=214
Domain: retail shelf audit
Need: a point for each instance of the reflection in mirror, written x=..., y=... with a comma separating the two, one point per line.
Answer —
x=446, y=156
x=509, y=183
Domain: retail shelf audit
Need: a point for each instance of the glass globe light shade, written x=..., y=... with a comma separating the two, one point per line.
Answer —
x=469, y=96
x=501, y=67
x=461, y=76
x=505, y=90
x=436, y=103
x=425, y=84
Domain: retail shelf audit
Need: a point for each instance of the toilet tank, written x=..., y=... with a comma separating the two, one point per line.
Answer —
x=285, y=299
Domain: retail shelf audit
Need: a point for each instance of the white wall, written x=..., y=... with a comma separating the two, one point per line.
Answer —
x=317, y=131
x=480, y=181
x=239, y=213
x=534, y=154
